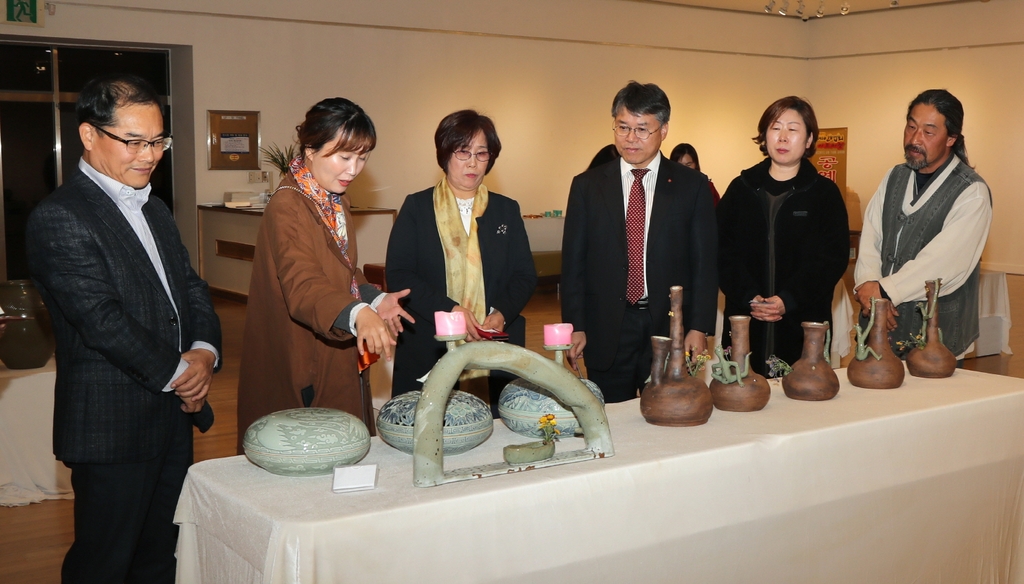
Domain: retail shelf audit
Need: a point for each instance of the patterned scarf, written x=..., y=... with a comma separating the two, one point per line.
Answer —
x=464, y=272
x=331, y=211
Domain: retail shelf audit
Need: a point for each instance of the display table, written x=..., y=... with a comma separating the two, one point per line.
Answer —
x=919, y=484
x=29, y=472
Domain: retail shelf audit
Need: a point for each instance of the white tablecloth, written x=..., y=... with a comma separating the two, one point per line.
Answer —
x=994, y=315
x=919, y=484
x=29, y=472
x=545, y=233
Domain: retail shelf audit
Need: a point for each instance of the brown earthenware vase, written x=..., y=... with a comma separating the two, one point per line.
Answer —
x=875, y=366
x=674, y=397
x=28, y=342
x=935, y=360
x=744, y=391
x=812, y=378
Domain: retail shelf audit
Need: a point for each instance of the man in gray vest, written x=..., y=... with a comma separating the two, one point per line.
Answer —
x=929, y=219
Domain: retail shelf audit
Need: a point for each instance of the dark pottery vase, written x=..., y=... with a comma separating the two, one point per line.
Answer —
x=812, y=378
x=935, y=360
x=875, y=366
x=28, y=342
x=674, y=397
x=750, y=391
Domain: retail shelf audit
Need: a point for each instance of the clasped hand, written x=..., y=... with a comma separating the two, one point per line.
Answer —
x=193, y=384
x=767, y=309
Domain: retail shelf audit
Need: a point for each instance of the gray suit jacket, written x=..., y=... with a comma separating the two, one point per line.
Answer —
x=117, y=333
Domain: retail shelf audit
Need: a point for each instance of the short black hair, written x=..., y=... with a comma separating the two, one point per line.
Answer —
x=336, y=118
x=457, y=130
x=642, y=99
x=102, y=96
x=775, y=111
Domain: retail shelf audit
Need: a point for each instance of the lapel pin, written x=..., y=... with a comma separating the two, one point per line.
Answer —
x=502, y=228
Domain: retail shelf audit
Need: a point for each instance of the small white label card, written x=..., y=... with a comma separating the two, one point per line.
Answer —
x=355, y=478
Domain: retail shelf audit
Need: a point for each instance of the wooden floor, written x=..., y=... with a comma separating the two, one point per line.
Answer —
x=34, y=538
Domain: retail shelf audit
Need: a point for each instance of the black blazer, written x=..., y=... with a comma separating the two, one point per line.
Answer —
x=682, y=245
x=415, y=260
x=117, y=333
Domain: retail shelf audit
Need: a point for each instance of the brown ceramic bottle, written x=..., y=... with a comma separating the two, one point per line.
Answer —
x=883, y=369
x=935, y=360
x=750, y=392
x=812, y=378
x=674, y=397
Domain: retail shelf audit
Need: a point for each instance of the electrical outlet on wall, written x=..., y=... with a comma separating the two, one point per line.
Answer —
x=259, y=176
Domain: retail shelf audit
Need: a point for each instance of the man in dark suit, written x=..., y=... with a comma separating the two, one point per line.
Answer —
x=137, y=339
x=633, y=228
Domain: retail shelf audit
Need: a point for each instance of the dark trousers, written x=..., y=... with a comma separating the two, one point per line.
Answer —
x=124, y=517
x=632, y=364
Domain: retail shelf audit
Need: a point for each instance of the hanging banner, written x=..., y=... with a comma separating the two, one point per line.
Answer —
x=830, y=157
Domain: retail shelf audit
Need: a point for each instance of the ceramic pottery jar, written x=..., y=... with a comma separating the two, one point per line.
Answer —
x=306, y=441
x=28, y=343
x=523, y=402
x=467, y=422
x=674, y=397
x=812, y=378
x=935, y=360
x=875, y=366
x=529, y=452
x=750, y=392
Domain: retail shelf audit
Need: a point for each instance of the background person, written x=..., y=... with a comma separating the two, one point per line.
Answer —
x=457, y=246
x=783, y=235
x=307, y=319
x=137, y=338
x=633, y=228
x=686, y=155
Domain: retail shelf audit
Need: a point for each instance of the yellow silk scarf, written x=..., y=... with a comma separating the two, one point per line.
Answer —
x=464, y=271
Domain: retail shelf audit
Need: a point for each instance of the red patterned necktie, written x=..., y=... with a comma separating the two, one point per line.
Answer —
x=636, y=213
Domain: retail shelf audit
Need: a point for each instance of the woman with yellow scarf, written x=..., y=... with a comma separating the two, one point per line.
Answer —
x=459, y=247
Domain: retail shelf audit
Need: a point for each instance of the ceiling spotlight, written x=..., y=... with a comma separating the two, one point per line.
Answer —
x=769, y=6
x=844, y=8
x=800, y=8
x=821, y=9
x=784, y=8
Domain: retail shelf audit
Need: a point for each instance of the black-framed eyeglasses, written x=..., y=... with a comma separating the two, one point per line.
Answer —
x=483, y=156
x=136, y=146
x=640, y=133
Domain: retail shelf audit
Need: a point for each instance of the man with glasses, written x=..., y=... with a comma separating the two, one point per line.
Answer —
x=633, y=228
x=137, y=338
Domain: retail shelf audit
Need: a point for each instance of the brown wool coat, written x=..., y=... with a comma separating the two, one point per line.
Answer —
x=299, y=286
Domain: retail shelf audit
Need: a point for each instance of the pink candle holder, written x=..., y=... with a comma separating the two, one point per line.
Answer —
x=558, y=334
x=449, y=324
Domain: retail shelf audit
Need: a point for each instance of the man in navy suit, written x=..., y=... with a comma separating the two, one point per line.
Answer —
x=137, y=338
x=635, y=227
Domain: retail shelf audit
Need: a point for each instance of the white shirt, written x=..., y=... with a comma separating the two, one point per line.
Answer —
x=649, y=180
x=951, y=255
x=130, y=202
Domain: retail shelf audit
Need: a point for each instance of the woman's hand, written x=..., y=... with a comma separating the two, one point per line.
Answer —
x=391, y=312
x=373, y=331
x=471, y=324
x=494, y=320
x=767, y=309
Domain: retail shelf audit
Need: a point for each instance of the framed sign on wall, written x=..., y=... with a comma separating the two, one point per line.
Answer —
x=233, y=140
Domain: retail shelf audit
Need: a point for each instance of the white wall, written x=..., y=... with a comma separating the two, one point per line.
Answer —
x=546, y=71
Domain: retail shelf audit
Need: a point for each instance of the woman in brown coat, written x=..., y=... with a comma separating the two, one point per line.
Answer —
x=310, y=311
